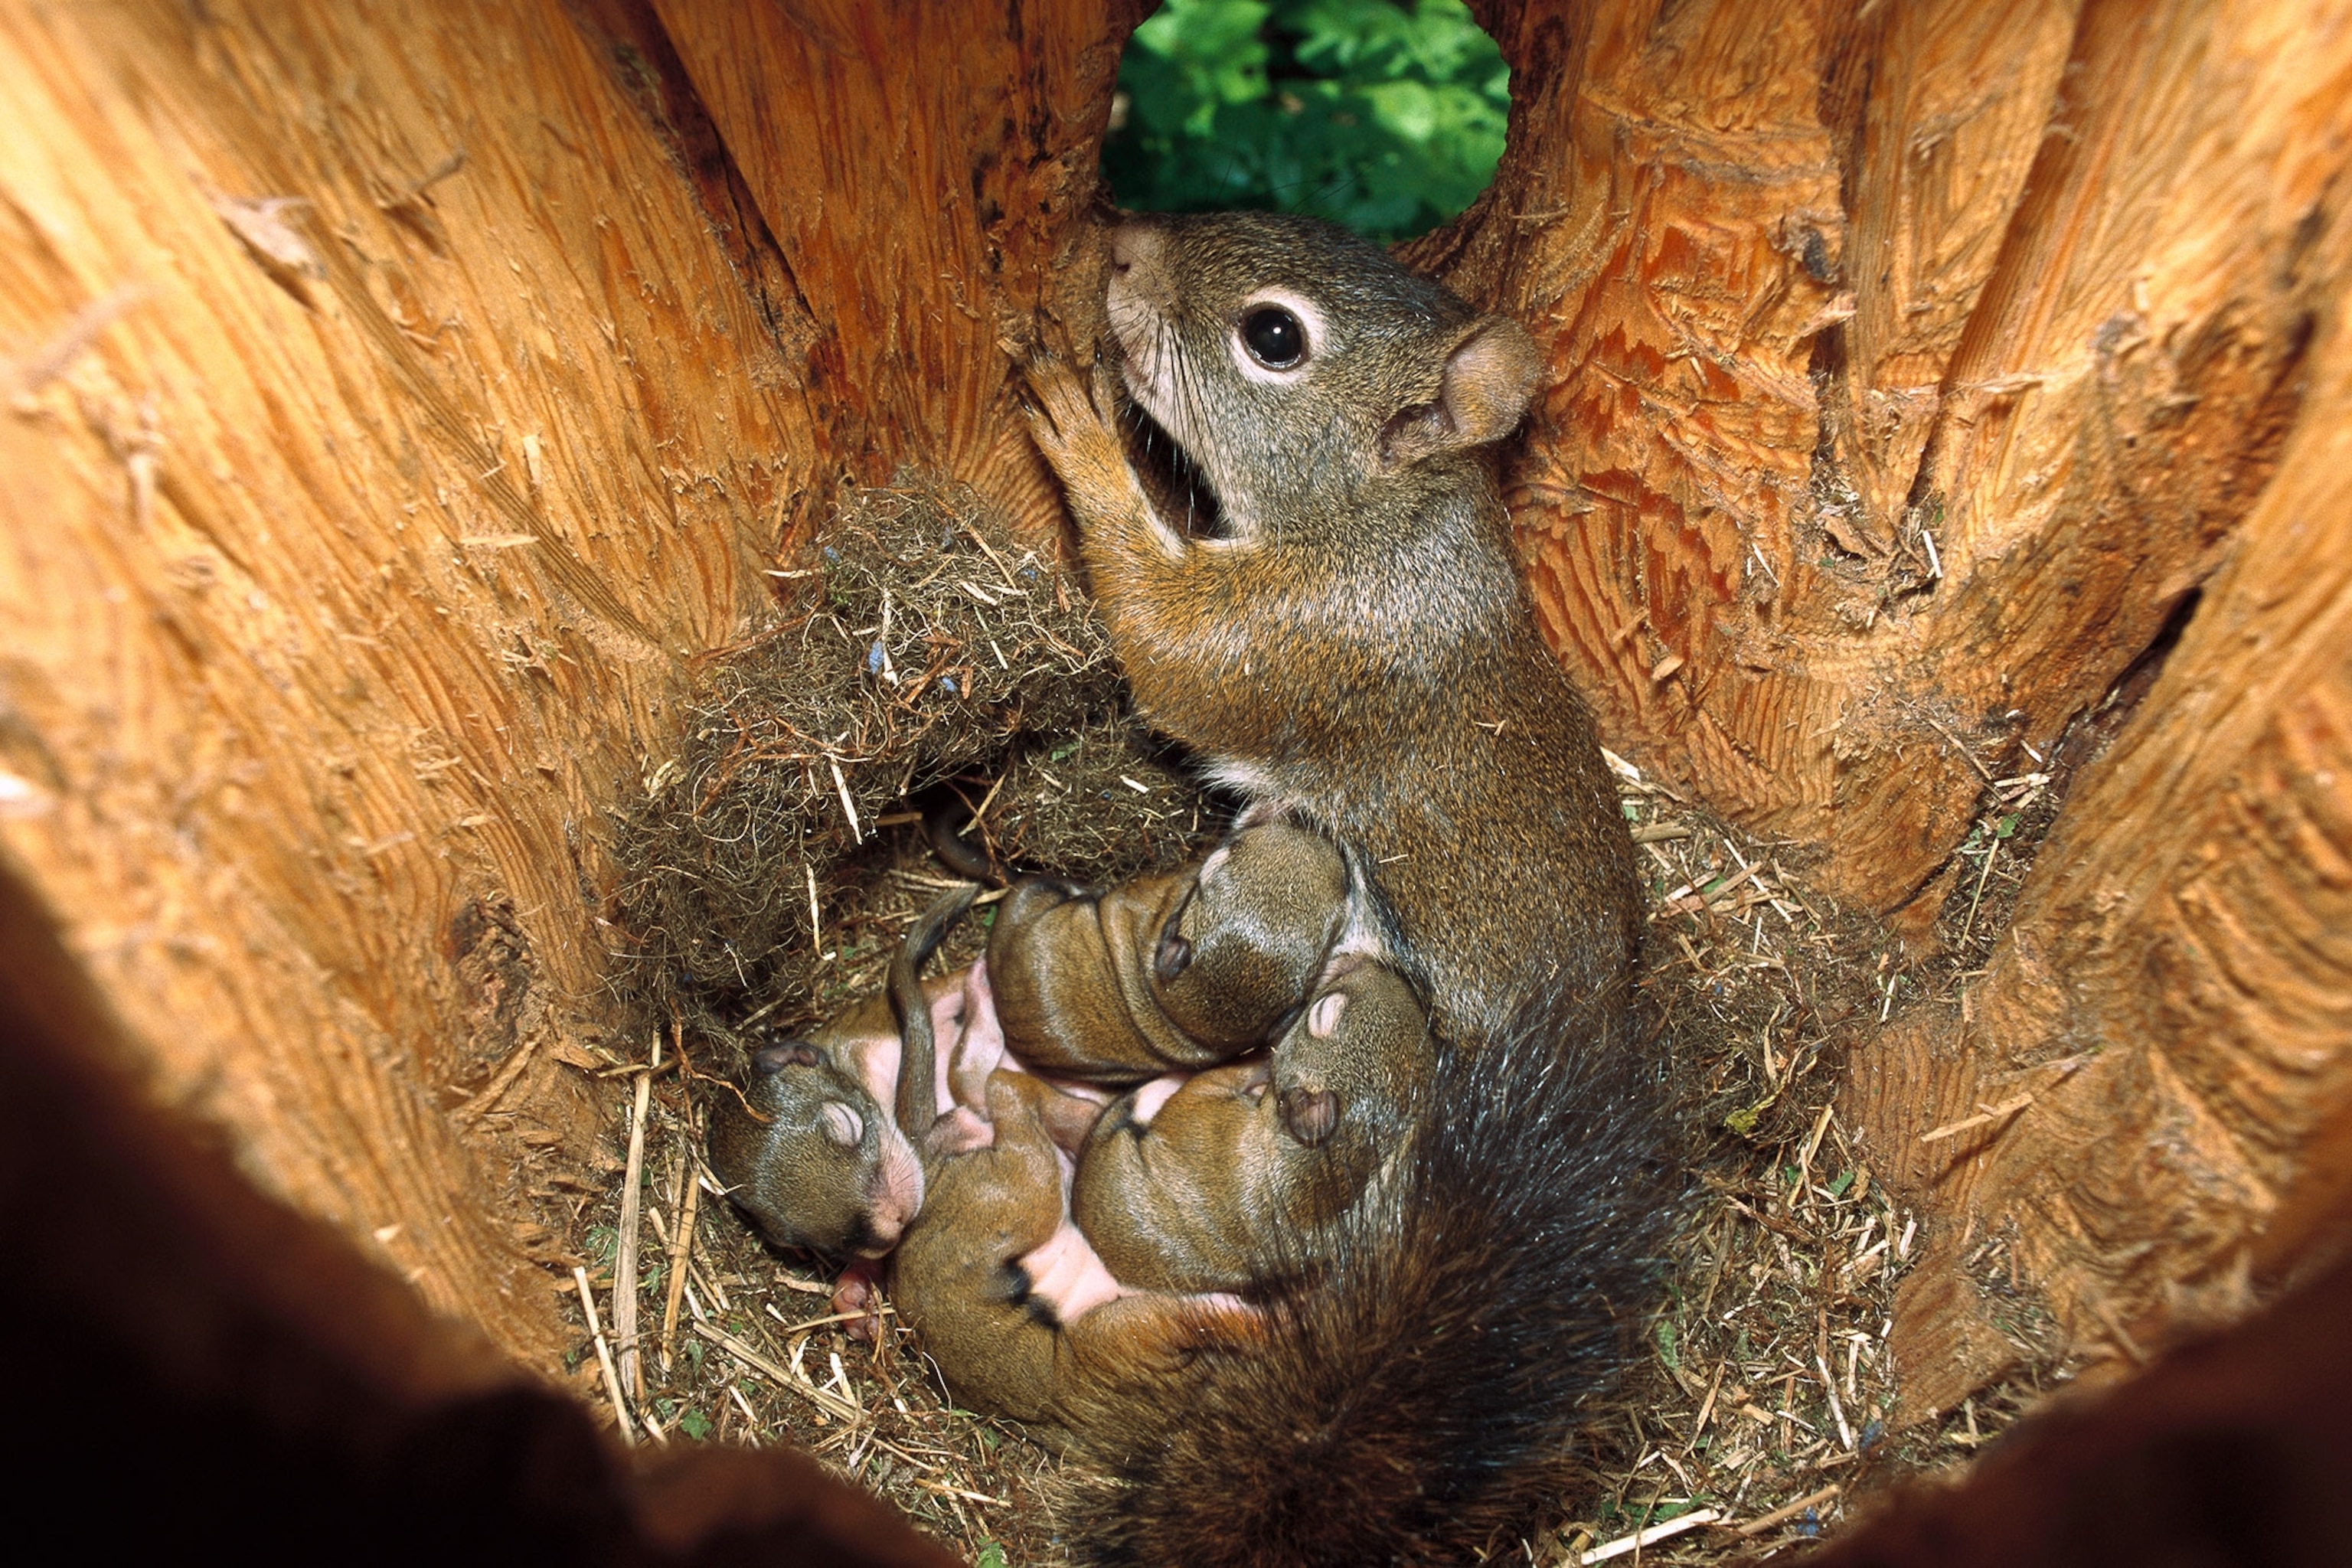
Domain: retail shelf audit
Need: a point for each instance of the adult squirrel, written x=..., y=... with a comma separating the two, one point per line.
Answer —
x=1348, y=643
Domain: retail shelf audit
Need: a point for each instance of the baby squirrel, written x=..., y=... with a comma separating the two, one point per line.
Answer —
x=1349, y=646
x=1212, y=1182
x=1012, y=1302
x=828, y=1146
x=1175, y=971
x=821, y=1147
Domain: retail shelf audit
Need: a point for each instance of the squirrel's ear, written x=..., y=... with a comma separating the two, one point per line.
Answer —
x=1489, y=377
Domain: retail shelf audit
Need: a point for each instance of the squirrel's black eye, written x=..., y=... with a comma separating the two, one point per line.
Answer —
x=1274, y=337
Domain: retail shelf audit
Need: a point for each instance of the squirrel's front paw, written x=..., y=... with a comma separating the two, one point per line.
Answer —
x=1062, y=412
x=1080, y=439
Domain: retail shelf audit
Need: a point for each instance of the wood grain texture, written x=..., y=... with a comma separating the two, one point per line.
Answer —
x=1940, y=108
x=1667, y=222
x=2175, y=989
x=1908, y=364
x=343, y=592
x=406, y=399
x=919, y=167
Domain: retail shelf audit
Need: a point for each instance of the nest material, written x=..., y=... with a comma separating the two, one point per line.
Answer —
x=921, y=645
x=1780, y=1284
x=1760, y=1388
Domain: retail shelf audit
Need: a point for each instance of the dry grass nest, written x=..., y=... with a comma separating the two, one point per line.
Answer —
x=922, y=647
x=927, y=646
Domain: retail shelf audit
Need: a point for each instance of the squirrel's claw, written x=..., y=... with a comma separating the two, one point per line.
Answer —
x=1061, y=405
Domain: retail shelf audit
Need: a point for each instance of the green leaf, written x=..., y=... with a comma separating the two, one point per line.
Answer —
x=992, y=1555
x=1666, y=1350
x=1384, y=115
x=1838, y=1187
x=695, y=1424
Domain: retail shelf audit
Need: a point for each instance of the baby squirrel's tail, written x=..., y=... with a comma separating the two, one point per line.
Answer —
x=1421, y=1406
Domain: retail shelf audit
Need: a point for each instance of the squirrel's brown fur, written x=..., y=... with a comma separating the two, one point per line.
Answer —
x=1351, y=647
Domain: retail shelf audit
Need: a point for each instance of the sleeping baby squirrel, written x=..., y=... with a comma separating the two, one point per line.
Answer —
x=1202, y=1183
x=1184, y=970
x=819, y=1147
x=1333, y=621
x=1013, y=1305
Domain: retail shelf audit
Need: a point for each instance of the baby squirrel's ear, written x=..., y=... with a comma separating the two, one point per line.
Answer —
x=1489, y=376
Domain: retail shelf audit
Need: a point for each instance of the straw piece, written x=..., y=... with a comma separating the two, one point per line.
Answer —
x=605, y=1356
x=625, y=1260
x=1650, y=1537
x=1787, y=1511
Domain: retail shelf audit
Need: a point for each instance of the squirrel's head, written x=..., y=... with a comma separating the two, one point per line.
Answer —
x=1298, y=365
x=1245, y=945
x=807, y=1147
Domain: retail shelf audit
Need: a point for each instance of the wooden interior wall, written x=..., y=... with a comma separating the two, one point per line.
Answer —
x=398, y=404
x=1910, y=362
x=2168, y=1025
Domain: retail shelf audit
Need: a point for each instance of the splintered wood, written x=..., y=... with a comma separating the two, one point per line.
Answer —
x=2149, y=1086
x=1908, y=364
x=402, y=401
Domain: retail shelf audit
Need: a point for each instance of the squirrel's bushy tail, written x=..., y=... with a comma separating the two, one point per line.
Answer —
x=1421, y=1406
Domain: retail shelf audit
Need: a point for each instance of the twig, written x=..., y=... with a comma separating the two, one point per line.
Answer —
x=856, y=833
x=1962, y=746
x=1984, y=1113
x=1650, y=1537
x=686, y=1065
x=791, y=1327
x=830, y=1403
x=681, y=1246
x=1783, y=1514
x=625, y=1260
x=1829, y=1386
x=1993, y=847
x=992, y=555
x=604, y=1357
x=751, y=1422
